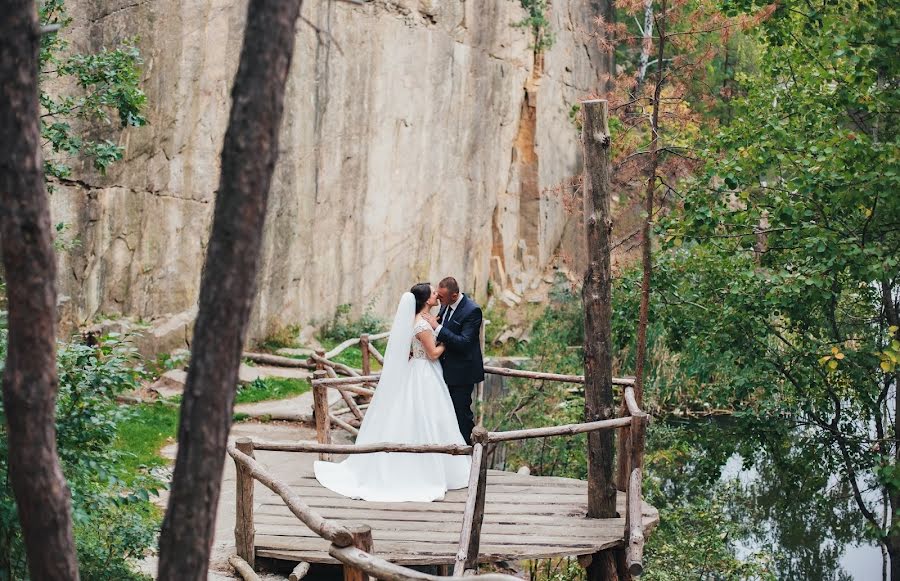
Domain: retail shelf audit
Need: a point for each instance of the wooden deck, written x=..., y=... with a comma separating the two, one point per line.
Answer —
x=526, y=517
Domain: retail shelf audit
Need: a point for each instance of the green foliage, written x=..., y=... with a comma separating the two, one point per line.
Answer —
x=343, y=326
x=682, y=465
x=270, y=388
x=538, y=23
x=97, y=91
x=692, y=542
x=283, y=337
x=777, y=280
x=114, y=522
x=166, y=362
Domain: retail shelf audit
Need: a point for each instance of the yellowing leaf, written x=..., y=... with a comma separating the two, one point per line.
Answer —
x=832, y=365
x=823, y=360
x=838, y=355
x=886, y=366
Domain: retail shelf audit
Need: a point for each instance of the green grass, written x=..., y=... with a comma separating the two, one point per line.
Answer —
x=142, y=435
x=150, y=426
x=271, y=388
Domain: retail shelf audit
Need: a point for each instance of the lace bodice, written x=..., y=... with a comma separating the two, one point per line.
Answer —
x=418, y=350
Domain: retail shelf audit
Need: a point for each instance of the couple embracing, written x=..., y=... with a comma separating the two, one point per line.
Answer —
x=424, y=396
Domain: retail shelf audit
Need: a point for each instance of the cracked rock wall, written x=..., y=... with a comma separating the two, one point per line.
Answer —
x=421, y=138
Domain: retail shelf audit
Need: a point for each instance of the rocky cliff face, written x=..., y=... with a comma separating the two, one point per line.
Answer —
x=421, y=138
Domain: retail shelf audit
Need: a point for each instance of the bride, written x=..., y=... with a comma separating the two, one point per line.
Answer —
x=411, y=405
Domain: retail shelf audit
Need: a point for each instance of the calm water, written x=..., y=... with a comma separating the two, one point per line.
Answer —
x=853, y=561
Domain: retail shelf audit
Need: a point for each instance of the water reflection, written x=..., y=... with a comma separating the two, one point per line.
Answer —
x=776, y=485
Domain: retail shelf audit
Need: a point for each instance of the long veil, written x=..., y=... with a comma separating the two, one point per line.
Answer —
x=395, y=368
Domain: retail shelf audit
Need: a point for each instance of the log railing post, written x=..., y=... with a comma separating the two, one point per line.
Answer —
x=473, y=517
x=634, y=525
x=244, y=531
x=366, y=358
x=320, y=411
x=364, y=350
x=596, y=296
x=479, y=389
x=362, y=540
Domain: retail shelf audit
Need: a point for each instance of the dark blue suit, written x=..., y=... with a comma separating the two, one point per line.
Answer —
x=462, y=361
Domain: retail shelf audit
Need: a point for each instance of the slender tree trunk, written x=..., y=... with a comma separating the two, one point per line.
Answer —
x=646, y=45
x=646, y=247
x=29, y=380
x=227, y=288
x=646, y=242
x=596, y=299
x=893, y=540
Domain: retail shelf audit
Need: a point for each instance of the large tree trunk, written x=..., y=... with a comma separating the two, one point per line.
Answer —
x=227, y=288
x=29, y=380
x=893, y=547
x=596, y=299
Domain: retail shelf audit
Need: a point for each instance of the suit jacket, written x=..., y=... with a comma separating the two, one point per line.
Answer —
x=462, y=360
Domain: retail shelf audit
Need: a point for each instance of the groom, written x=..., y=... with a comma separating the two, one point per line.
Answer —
x=458, y=326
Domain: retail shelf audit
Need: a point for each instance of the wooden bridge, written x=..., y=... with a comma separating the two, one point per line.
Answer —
x=501, y=516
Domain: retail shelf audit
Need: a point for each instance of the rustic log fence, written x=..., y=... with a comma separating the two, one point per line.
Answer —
x=359, y=558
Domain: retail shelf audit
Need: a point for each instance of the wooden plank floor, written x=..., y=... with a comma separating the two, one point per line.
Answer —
x=525, y=517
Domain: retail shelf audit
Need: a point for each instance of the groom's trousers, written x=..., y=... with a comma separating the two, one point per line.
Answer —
x=462, y=405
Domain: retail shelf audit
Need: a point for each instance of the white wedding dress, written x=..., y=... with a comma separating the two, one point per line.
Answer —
x=411, y=405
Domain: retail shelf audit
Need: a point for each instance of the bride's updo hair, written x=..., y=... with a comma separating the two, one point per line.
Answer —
x=422, y=292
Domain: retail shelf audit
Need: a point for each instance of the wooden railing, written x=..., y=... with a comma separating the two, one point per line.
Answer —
x=632, y=463
x=352, y=546
x=356, y=554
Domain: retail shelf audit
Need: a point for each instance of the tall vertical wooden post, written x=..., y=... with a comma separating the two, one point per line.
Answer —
x=596, y=298
x=366, y=359
x=244, y=531
x=479, y=389
x=320, y=412
x=364, y=349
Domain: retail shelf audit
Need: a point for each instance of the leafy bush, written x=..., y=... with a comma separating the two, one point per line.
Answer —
x=282, y=337
x=113, y=520
x=343, y=326
x=538, y=23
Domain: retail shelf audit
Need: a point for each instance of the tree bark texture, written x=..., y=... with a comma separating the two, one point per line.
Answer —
x=596, y=299
x=29, y=379
x=228, y=285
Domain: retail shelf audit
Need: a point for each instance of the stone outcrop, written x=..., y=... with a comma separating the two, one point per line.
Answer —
x=421, y=138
